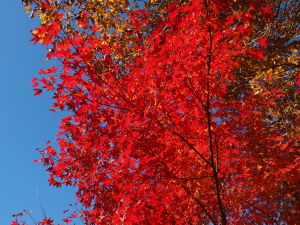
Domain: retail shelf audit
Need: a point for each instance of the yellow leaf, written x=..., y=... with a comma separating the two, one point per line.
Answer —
x=259, y=167
x=28, y=9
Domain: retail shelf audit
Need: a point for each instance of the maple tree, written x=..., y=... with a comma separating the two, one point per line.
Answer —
x=176, y=111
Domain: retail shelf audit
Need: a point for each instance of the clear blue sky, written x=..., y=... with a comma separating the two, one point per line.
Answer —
x=25, y=121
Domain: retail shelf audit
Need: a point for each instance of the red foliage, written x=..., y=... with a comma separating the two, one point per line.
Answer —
x=164, y=143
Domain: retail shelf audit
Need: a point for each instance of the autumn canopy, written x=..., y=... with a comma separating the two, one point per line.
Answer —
x=180, y=112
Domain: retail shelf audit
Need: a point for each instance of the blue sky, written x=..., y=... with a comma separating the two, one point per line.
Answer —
x=26, y=122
